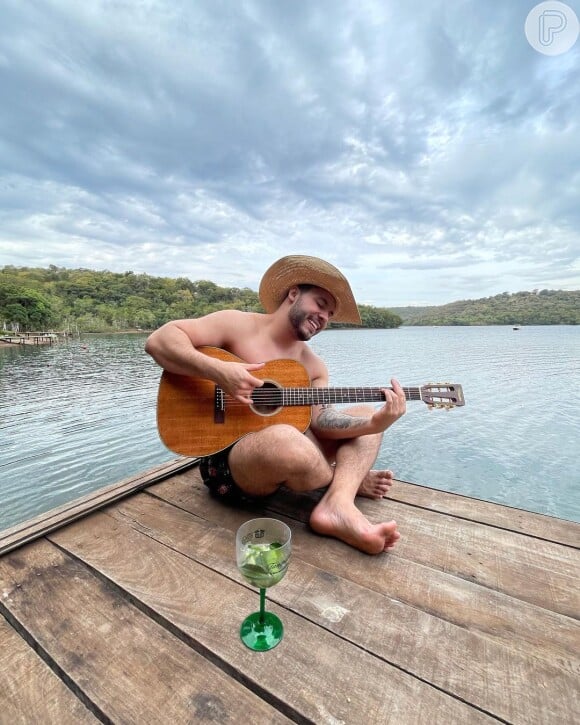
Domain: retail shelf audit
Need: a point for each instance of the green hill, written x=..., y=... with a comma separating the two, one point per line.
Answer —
x=99, y=301
x=545, y=307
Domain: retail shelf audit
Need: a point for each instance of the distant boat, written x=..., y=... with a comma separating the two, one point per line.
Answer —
x=516, y=327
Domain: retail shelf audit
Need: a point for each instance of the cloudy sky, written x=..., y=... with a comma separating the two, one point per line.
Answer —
x=422, y=146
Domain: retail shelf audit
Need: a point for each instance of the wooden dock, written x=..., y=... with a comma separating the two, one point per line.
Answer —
x=29, y=338
x=131, y=614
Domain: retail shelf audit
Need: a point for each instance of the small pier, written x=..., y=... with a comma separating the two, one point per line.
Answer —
x=125, y=607
x=29, y=338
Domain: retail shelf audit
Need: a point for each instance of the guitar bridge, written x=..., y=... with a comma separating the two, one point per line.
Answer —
x=219, y=406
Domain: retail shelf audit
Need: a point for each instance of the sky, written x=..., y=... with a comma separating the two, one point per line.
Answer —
x=425, y=147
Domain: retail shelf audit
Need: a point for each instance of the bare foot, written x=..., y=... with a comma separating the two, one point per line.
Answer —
x=376, y=484
x=347, y=523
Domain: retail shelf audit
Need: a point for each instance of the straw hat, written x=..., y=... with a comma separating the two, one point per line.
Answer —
x=300, y=269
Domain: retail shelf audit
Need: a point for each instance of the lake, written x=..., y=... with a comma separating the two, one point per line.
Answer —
x=80, y=415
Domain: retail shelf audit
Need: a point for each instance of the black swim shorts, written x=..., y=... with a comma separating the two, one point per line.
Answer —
x=215, y=473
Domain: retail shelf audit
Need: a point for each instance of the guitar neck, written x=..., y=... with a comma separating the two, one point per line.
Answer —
x=329, y=396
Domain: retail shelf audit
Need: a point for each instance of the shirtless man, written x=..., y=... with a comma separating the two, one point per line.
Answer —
x=300, y=295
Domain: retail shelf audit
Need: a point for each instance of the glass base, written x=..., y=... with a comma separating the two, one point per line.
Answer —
x=261, y=636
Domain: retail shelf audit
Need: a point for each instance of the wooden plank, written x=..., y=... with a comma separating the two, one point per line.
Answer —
x=540, y=526
x=542, y=683
x=320, y=676
x=458, y=600
x=127, y=665
x=30, y=691
x=32, y=529
x=536, y=571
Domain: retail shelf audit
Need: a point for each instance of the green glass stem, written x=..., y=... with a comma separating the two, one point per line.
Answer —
x=262, y=605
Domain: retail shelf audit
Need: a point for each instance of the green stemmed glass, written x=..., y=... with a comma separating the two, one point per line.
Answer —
x=262, y=554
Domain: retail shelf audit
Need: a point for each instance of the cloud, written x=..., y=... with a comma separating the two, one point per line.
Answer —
x=207, y=139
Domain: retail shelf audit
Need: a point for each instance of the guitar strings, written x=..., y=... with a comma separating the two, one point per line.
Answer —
x=338, y=392
x=433, y=394
x=289, y=396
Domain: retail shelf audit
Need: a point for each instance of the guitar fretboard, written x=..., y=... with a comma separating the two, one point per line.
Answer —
x=325, y=396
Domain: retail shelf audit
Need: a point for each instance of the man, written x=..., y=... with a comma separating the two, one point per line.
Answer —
x=300, y=295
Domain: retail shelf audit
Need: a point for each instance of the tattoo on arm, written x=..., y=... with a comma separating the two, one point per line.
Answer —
x=334, y=419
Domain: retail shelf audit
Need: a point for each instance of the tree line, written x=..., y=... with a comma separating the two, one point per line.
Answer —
x=538, y=307
x=84, y=300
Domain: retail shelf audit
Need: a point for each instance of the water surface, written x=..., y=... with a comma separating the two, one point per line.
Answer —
x=515, y=441
x=81, y=414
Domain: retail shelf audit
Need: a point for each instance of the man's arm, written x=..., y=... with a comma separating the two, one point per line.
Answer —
x=331, y=423
x=327, y=422
x=173, y=347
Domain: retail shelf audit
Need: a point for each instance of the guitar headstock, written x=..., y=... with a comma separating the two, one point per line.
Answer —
x=442, y=395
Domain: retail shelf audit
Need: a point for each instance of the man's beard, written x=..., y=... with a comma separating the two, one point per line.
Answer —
x=297, y=318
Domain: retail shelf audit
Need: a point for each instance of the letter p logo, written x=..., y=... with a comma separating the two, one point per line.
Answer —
x=551, y=24
x=552, y=28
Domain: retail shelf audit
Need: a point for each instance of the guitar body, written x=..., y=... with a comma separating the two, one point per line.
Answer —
x=189, y=424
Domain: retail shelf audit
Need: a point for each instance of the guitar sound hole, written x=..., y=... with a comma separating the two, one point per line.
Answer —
x=267, y=399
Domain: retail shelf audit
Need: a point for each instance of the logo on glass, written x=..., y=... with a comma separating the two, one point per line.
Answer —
x=552, y=28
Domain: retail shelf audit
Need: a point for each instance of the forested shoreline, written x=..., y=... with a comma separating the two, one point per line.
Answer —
x=538, y=307
x=83, y=300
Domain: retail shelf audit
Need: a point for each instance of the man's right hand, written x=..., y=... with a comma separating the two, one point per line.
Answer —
x=236, y=380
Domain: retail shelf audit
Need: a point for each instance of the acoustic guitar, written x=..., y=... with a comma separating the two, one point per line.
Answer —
x=195, y=417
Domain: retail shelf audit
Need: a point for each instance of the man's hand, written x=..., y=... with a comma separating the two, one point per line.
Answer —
x=394, y=407
x=236, y=380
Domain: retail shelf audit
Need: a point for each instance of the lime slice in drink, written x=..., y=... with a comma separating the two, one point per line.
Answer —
x=272, y=558
x=263, y=565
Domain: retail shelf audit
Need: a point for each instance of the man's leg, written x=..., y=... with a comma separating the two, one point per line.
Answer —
x=375, y=483
x=263, y=461
x=336, y=515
